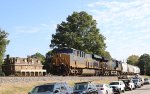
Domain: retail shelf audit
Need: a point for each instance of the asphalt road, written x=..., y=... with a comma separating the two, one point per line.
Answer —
x=143, y=90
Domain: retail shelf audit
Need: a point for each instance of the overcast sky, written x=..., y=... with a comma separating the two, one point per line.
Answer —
x=30, y=24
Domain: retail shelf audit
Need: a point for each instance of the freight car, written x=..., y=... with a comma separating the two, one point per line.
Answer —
x=69, y=61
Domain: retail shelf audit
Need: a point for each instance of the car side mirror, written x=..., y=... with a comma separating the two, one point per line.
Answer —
x=56, y=91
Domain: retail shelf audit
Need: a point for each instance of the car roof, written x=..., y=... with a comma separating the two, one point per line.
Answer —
x=52, y=83
x=116, y=81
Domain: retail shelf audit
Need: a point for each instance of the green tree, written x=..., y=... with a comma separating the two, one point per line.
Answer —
x=106, y=54
x=47, y=64
x=79, y=31
x=39, y=56
x=133, y=59
x=144, y=64
x=3, y=43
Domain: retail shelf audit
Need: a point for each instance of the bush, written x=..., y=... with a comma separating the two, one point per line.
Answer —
x=2, y=73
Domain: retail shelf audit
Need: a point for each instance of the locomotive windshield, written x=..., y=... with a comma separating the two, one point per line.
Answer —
x=64, y=50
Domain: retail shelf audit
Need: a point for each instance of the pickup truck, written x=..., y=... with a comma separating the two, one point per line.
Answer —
x=118, y=84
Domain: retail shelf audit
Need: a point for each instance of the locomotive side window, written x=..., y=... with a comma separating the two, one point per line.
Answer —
x=77, y=53
x=74, y=52
x=80, y=54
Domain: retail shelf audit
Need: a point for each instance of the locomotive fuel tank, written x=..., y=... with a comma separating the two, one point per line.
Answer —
x=88, y=72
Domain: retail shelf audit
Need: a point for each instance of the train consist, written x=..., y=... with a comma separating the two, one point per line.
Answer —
x=68, y=61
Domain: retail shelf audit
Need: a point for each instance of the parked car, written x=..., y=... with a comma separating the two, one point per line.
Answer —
x=104, y=89
x=146, y=80
x=137, y=83
x=118, y=84
x=140, y=78
x=85, y=88
x=129, y=85
x=52, y=88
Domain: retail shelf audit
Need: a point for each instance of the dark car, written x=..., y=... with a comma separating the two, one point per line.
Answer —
x=129, y=85
x=116, y=90
x=85, y=88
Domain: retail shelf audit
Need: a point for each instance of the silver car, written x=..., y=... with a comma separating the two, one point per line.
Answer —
x=147, y=81
x=52, y=88
x=137, y=83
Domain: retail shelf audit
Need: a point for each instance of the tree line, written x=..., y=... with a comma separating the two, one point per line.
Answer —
x=78, y=31
x=143, y=62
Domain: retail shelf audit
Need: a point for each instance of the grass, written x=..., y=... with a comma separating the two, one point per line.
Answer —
x=25, y=87
x=17, y=88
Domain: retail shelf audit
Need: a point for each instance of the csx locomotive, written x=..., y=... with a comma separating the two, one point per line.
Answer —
x=69, y=61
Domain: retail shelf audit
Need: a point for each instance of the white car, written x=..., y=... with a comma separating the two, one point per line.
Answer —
x=118, y=84
x=104, y=89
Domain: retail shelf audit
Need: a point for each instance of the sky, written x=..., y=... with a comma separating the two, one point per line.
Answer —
x=31, y=23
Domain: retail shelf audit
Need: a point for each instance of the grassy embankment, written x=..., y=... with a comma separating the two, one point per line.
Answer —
x=24, y=88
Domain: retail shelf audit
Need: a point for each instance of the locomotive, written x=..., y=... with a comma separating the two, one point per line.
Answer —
x=69, y=61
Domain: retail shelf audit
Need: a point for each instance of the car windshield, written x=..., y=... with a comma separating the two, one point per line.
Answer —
x=134, y=81
x=81, y=86
x=100, y=85
x=114, y=83
x=126, y=81
x=43, y=88
x=145, y=79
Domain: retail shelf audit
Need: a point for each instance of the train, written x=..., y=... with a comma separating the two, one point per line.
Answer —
x=69, y=61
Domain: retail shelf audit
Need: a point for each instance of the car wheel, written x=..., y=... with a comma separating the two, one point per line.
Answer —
x=123, y=91
x=119, y=92
x=106, y=92
x=131, y=88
